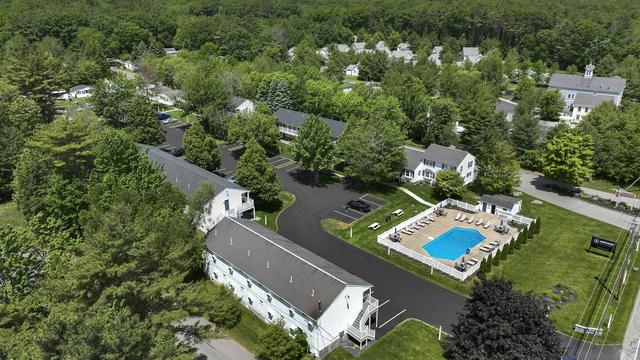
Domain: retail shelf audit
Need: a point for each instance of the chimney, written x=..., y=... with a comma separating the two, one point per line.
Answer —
x=588, y=71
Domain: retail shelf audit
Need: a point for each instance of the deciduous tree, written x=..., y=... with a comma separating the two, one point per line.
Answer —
x=449, y=184
x=313, y=148
x=568, y=157
x=256, y=174
x=201, y=149
x=500, y=323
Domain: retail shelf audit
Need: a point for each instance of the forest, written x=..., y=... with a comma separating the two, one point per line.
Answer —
x=108, y=239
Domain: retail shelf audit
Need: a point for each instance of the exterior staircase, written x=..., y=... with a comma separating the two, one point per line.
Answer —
x=360, y=330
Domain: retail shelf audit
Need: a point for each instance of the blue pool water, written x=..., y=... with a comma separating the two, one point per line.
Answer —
x=454, y=243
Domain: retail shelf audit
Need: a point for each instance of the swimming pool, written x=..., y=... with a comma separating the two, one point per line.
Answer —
x=453, y=243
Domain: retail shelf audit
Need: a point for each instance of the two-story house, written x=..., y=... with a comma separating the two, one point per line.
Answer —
x=290, y=122
x=424, y=165
x=471, y=54
x=583, y=93
x=281, y=281
x=229, y=199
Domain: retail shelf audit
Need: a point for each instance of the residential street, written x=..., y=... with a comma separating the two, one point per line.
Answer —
x=534, y=185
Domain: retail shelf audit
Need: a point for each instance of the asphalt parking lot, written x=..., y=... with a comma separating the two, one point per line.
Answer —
x=348, y=215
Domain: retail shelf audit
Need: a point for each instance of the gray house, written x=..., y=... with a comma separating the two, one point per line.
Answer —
x=290, y=122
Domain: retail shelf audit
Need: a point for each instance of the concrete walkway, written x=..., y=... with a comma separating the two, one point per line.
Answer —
x=213, y=349
x=631, y=343
x=534, y=185
x=415, y=197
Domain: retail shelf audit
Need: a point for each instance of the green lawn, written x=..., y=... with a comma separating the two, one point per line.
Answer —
x=10, y=216
x=426, y=192
x=269, y=214
x=604, y=185
x=410, y=340
x=558, y=255
x=247, y=331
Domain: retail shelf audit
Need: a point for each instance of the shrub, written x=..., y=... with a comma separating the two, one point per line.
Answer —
x=496, y=260
x=505, y=252
x=226, y=308
x=519, y=242
x=537, y=226
x=510, y=247
x=525, y=235
x=487, y=268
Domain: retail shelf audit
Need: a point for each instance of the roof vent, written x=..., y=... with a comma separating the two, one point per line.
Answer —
x=230, y=241
x=313, y=293
x=291, y=279
x=267, y=264
x=248, y=252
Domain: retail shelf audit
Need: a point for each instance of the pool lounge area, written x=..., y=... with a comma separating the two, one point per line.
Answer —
x=453, y=237
x=454, y=243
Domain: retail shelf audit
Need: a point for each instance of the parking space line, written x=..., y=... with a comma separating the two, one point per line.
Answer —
x=395, y=316
x=361, y=213
x=379, y=306
x=283, y=165
x=234, y=148
x=278, y=162
x=220, y=170
x=350, y=217
x=293, y=168
x=228, y=172
x=372, y=202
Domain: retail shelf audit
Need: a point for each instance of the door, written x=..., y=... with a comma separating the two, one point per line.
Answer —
x=484, y=207
x=493, y=209
x=226, y=205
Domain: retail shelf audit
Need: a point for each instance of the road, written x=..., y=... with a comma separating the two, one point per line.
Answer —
x=534, y=185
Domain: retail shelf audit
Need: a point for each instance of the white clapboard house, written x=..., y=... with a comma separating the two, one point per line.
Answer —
x=499, y=204
x=583, y=93
x=230, y=199
x=281, y=281
x=424, y=165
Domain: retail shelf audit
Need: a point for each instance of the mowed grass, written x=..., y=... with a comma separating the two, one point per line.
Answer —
x=9, y=215
x=608, y=186
x=268, y=215
x=247, y=331
x=558, y=255
x=410, y=340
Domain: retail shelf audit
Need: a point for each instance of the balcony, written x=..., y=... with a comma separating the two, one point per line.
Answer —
x=246, y=205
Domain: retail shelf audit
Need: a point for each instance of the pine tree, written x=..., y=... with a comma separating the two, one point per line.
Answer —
x=505, y=252
x=256, y=174
x=272, y=96
x=487, y=268
x=537, y=226
x=284, y=95
x=518, y=245
x=511, y=246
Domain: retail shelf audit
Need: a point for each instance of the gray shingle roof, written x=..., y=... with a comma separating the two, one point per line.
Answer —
x=186, y=176
x=343, y=47
x=414, y=157
x=506, y=106
x=80, y=87
x=596, y=84
x=235, y=102
x=296, y=119
x=290, y=271
x=470, y=51
x=445, y=155
x=500, y=200
x=359, y=45
x=591, y=101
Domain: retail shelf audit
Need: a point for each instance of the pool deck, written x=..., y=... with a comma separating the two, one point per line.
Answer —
x=445, y=223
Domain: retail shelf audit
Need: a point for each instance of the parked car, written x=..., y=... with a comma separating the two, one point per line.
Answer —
x=359, y=205
x=172, y=150
x=169, y=120
x=162, y=115
x=231, y=179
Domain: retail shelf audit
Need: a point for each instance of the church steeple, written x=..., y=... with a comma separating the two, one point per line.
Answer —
x=588, y=71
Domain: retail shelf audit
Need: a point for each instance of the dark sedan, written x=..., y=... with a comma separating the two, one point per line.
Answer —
x=359, y=205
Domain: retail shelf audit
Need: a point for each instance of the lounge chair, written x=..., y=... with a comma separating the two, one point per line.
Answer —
x=405, y=231
x=431, y=218
x=486, y=249
x=463, y=218
x=472, y=261
x=479, y=222
x=471, y=220
x=423, y=223
x=457, y=217
x=487, y=225
x=494, y=243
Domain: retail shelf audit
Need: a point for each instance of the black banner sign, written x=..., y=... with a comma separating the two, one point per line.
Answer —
x=603, y=244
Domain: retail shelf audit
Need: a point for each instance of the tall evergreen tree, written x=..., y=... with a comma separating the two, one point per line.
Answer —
x=313, y=148
x=256, y=174
x=525, y=132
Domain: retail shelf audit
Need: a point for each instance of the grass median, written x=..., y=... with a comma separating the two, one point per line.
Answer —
x=268, y=214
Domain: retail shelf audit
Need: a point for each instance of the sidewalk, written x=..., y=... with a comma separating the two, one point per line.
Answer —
x=631, y=343
x=415, y=197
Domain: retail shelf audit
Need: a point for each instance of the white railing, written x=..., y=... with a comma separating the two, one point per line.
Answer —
x=383, y=239
x=515, y=218
x=246, y=205
x=288, y=131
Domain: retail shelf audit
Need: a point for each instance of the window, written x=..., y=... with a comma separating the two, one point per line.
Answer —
x=270, y=315
x=290, y=313
x=443, y=166
x=215, y=275
x=269, y=298
x=249, y=284
x=579, y=108
x=408, y=173
x=250, y=301
x=469, y=174
x=230, y=271
x=470, y=164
